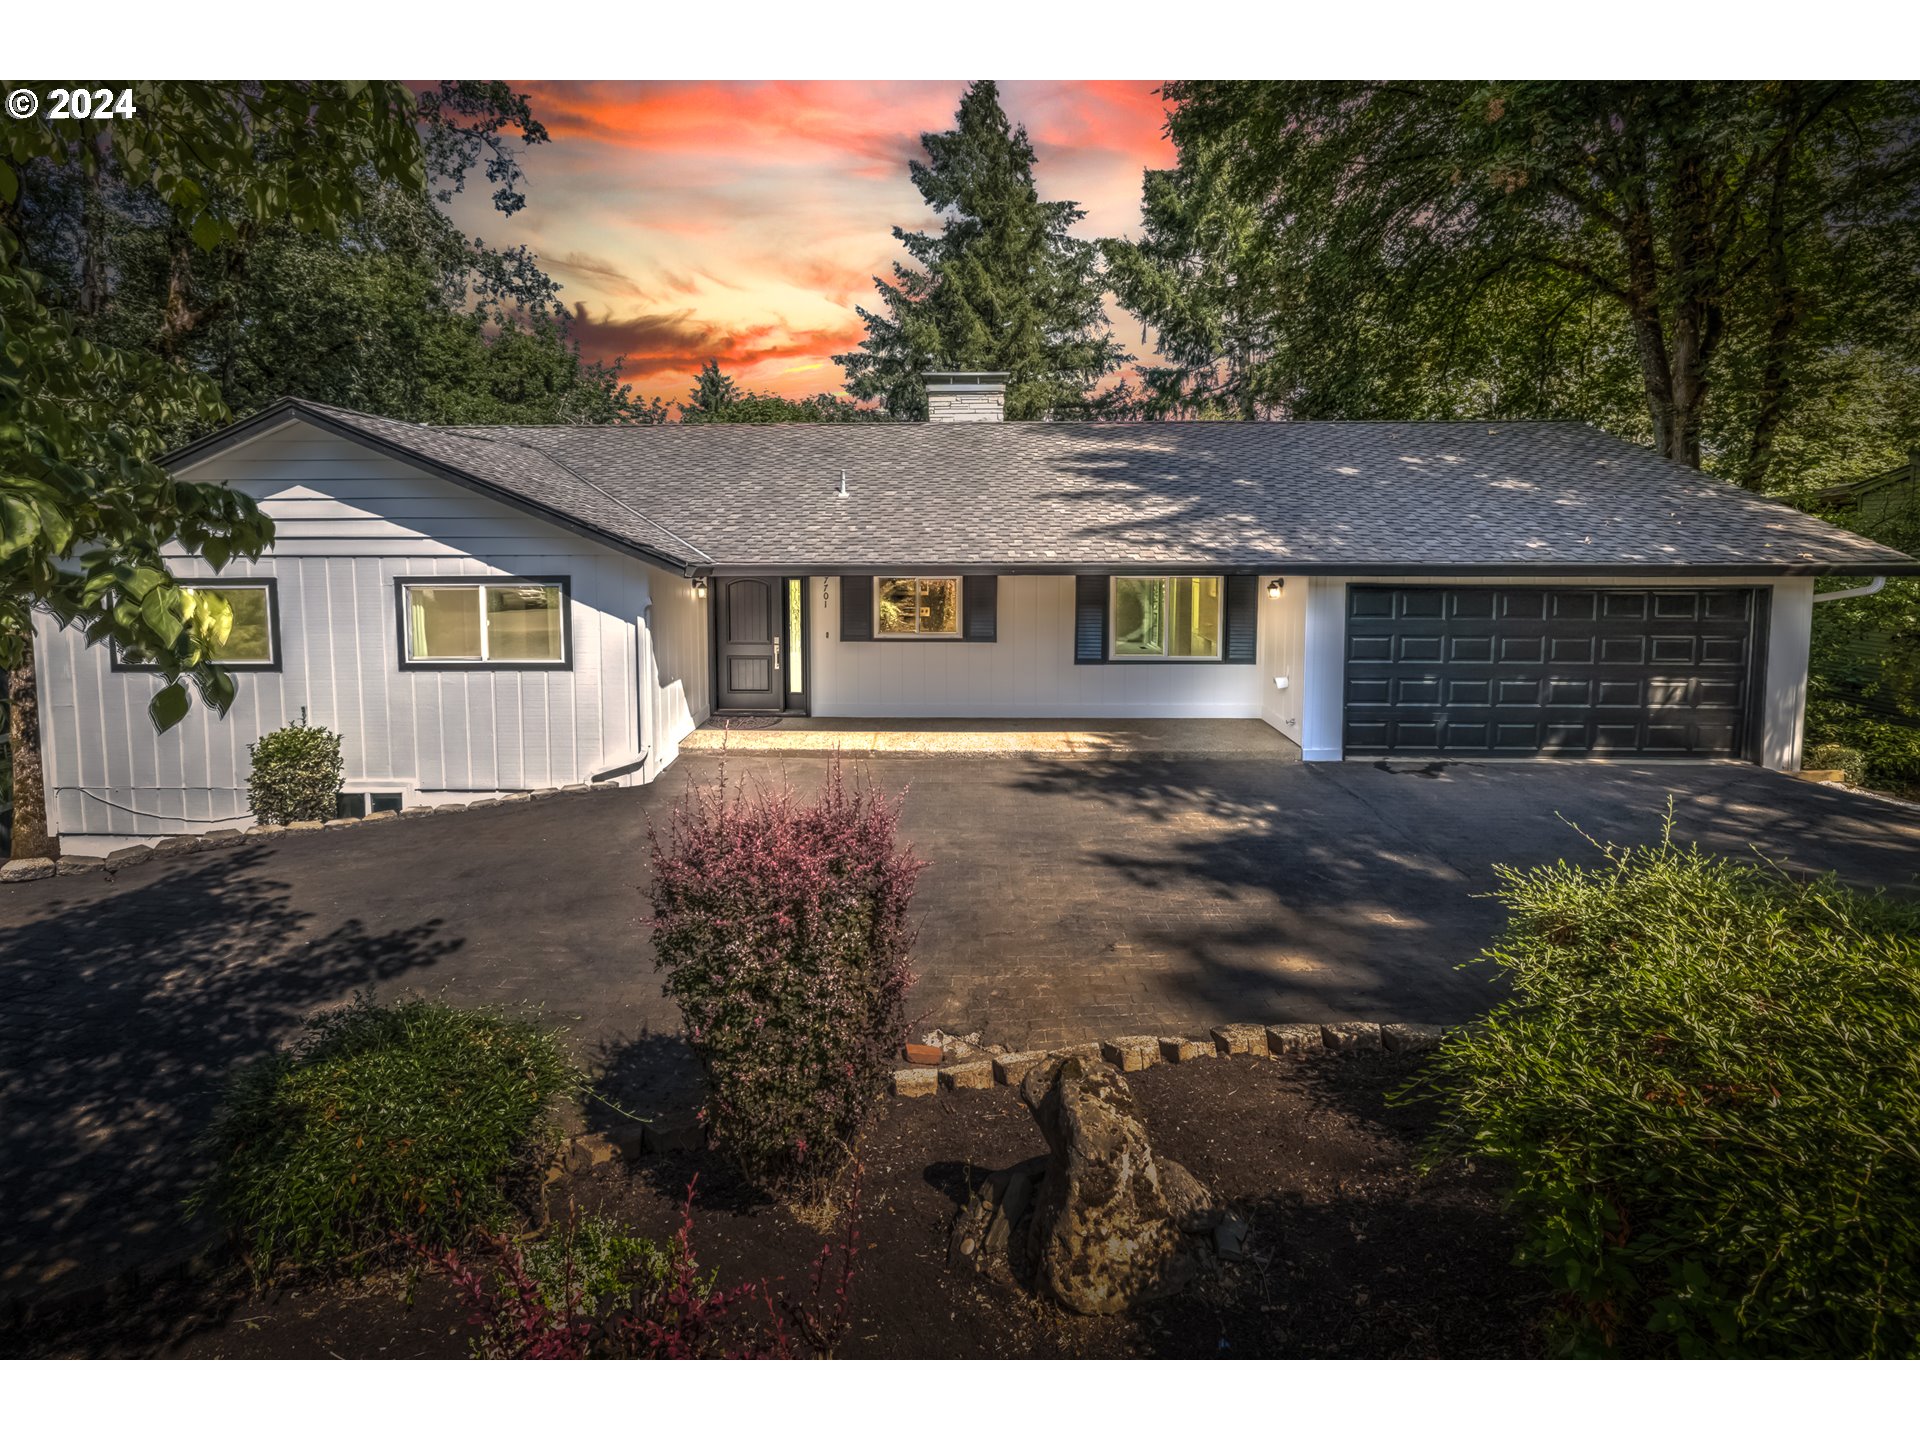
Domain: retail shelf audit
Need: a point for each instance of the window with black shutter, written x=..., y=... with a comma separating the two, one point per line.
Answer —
x=856, y=607
x=1090, y=594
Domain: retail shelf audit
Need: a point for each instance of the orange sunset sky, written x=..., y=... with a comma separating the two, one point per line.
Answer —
x=745, y=221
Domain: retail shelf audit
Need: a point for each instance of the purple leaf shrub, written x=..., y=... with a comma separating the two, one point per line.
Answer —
x=687, y=1318
x=783, y=930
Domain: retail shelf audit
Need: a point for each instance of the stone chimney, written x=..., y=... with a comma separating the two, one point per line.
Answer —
x=966, y=395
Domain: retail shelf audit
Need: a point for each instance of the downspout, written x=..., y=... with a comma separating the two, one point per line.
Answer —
x=1878, y=584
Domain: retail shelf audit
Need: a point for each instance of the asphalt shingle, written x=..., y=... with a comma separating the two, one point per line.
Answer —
x=1273, y=496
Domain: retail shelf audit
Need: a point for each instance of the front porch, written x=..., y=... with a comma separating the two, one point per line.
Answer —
x=1061, y=739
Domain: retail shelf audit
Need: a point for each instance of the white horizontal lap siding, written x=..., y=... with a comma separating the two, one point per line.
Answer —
x=1782, y=708
x=1027, y=672
x=349, y=522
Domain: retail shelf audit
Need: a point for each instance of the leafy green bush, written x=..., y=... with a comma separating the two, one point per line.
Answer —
x=296, y=774
x=1851, y=764
x=1707, y=1086
x=413, y=1118
x=783, y=931
x=1889, y=750
x=581, y=1266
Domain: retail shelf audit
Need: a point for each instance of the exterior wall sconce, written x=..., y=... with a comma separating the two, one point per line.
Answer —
x=699, y=587
x=1274, y=586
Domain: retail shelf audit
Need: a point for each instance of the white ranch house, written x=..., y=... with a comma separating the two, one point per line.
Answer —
x=482, y=610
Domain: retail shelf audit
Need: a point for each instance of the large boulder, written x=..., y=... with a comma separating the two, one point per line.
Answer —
x=1103, y=1236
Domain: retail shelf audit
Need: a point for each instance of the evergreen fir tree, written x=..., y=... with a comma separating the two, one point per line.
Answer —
x=1002, y=286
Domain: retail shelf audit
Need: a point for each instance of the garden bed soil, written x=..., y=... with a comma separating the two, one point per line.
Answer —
x=1352, y=1249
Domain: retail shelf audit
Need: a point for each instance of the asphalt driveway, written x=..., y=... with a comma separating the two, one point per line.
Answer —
x=1069, y=898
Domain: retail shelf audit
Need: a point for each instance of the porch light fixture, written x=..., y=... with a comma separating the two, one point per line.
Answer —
x=699, y=587
x=1274, y=586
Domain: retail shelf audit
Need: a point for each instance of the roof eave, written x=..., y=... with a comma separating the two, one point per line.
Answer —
x=1670, y=570
x=282, y=411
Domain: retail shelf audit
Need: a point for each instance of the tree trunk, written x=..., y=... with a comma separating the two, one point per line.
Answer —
x=30, y=838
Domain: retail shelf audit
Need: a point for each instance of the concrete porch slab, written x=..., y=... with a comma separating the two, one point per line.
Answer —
x=1089, y=739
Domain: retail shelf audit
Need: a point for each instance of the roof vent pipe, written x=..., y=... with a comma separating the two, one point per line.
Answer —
x=961, y=395
x=842, y=491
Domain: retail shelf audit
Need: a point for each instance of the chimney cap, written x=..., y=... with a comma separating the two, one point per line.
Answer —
x=966, y=379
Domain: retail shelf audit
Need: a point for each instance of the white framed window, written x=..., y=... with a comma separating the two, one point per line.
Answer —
x=252, y=641
x=484, y=624
x=916, y=607
x=1167, y=617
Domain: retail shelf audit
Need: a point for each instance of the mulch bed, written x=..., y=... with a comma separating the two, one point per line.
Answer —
x=1352, y=1250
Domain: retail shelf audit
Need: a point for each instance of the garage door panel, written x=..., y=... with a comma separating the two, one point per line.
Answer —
x=1676, y=605
x=1612, y=693
x=1519, y=737
x=1472, y=604
x=1418, y=604
x=1371, y=604
x=1523, y=605
x=1728, y=605
x=1516, y=670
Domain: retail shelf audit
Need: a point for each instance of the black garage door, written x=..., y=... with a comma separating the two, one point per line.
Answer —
x=1491, y=670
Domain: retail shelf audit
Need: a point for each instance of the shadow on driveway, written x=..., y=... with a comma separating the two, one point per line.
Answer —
x=1068, y=899
x=123, y=1019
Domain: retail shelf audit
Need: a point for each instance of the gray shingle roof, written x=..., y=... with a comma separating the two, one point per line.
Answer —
x=1332, y=497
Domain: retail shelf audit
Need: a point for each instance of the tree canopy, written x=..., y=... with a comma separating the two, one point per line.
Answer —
x=716, y=399
x=1725, y=270
x=1004, y=284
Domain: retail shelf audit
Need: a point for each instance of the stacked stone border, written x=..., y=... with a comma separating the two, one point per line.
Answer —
x=1129, y=1053
x=15, y=871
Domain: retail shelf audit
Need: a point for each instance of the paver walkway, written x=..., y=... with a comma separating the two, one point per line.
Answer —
x=1068, y=898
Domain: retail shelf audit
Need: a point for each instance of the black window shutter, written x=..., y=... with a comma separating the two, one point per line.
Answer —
x=856, y=607
x=1242, y=619
x=1090, y=619
x=981, y=605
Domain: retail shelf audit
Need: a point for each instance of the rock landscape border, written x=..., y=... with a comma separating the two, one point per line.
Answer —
x=1131, y=1053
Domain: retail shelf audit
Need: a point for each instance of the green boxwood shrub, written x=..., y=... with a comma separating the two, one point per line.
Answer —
x=1848, y=761
x=296, y=774
x=783, y=930
x=1707, y=1086
x=385, y=1120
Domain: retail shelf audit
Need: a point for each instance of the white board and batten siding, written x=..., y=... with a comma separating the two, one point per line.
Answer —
x=1026, y=673
x=349, y=522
